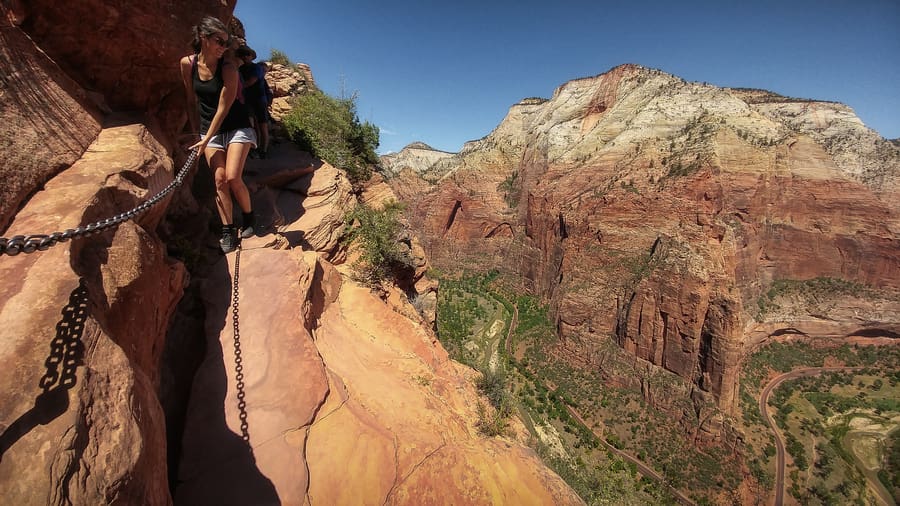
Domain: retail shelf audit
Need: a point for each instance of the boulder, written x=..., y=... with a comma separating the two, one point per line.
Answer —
x=81, y=422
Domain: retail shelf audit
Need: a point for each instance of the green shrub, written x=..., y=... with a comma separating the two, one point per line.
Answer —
x=329, y=128
x=280, y=57
x=509, y=188
x=491, y=424
x=378, y=233
x=493, y=385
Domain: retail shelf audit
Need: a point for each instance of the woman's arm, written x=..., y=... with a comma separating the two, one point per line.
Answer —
x=226, y=98
x=187, y=77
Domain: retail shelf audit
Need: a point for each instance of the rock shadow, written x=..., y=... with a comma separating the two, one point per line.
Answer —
x=218, y=465
x=66, y=354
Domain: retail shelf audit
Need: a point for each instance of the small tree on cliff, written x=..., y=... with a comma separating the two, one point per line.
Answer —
x=378, y=233
x=329, y=128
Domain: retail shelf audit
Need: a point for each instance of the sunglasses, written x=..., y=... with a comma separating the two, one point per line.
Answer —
x=220, y=41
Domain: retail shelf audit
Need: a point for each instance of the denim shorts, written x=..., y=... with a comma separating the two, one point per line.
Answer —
x=239, y=136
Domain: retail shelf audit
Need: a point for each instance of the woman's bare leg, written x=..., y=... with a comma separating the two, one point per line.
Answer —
x=216, y=160
x=234, y=171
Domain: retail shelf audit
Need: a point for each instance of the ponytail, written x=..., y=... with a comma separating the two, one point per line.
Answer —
x=207, y=26
x=195, y=43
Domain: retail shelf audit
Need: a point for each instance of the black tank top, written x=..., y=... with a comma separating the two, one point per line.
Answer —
x=208, y=93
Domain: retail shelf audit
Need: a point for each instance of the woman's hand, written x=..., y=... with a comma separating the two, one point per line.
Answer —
x=201, y=145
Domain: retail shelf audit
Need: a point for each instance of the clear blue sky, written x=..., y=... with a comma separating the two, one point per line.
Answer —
x=445, y=72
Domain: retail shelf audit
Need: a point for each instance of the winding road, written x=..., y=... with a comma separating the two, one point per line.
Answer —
x=764, y=411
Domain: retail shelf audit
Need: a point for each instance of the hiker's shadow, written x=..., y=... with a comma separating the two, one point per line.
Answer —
x=218, y=465
x=66, y=354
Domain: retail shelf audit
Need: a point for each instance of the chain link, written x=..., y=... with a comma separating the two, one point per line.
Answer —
x=238, y=360
x=42, y=242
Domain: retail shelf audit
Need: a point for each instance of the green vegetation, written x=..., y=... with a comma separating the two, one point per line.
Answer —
x=889, y=475
x=509, y=189
x=493, y=385
x=777, y=357
x=280, y=57
x=810, y=291
x=834, y=432
x=839, y=427
x=629, y=186
x=679, y=168
x=329, y=128
x=378, y=233
x=577, y=417
x=467, y=316
x=689, y=149
x=551, y=396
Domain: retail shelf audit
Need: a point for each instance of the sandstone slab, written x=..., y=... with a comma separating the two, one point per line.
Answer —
x=80, y=418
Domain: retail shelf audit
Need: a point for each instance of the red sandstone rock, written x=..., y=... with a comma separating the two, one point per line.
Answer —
x=125, y=52
x=728, y=189
x=325, y=363
x=80, y=418
x=46, y=120
x=335, y=379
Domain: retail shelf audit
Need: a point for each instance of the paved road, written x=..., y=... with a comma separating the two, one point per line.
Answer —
x=512, y=328
x=779, y=442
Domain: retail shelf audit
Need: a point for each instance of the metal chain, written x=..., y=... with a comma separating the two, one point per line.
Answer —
x=41, y=242
x=238, y=360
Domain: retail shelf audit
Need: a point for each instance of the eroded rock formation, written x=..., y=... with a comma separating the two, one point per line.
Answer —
x=658, y=211
x=60, y=77
x=128, y=379
x=83, y=326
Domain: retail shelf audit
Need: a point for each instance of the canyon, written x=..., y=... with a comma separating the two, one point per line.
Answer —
x=660, y=213
x=685, y=223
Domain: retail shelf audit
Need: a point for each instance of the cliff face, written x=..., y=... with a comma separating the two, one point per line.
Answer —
x=659, y=211
x=61, y=76
x=267, y=376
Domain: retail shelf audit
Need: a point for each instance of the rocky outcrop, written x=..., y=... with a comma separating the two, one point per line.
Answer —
x=80, y=419
x=658, y=211
x=46, y=119
x=287, y=81
x=335, y=379
x=377, y=194
x=118, y=388
x=297, y=370
x=123, y=55
x=306, y=372
x=61, y=77
x=418, y=156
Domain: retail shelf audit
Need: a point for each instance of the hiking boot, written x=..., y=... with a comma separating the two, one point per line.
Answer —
x=248, y=223
x=229, y=240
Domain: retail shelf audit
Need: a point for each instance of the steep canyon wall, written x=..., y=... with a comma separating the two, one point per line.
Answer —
x=658, y=211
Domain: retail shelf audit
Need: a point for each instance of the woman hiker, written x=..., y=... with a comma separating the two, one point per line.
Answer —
x=226, y=134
